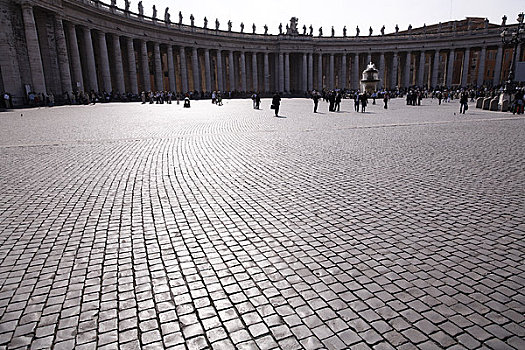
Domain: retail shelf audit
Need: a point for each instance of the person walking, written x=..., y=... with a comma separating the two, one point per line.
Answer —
x=257, y=100
x=315, y=97
x=385, y=100
x=276, y=103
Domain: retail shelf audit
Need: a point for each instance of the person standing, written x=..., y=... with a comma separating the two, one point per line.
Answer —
x=385, y=100
x=257, y=100
x=463, y=103
x=364, y=101
x=338, y=99
x=356, y=101
x=7, y=100
x=315, y=97
x=276, y=103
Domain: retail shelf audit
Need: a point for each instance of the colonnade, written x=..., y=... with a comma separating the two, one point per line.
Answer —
x=85, y=58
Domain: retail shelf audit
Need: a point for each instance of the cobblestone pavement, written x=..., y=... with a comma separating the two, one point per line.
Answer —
x=152, y=226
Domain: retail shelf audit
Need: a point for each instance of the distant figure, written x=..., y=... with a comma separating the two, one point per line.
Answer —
x=504, y=20
x=364, y=101
x=463, y=103
x=383, y=30
x=192, y=20
x=356, y=102
x=242, y=27
x=320, y=31
x=187, y=102
x=304, y=29
x=315, y=97
x=217, y=24
x=311, y=30
x=333, y=31
x=205, y=23
x=276, y=103
x=229, y=25
x=280, y=28
x=253, y=28
x=385, y=100
x=154, y=12
x=357, y=31
x=180, y=17
x=409, y=27
x=265, y=29
x=126, y=5
x=370, y=31
x=344, y=31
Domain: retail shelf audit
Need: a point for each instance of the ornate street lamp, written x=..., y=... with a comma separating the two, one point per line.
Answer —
x=513, y=38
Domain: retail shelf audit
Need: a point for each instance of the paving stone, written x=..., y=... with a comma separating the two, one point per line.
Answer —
x=227, y=228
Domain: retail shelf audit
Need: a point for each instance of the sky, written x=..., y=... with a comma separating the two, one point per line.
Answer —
x=337, y=13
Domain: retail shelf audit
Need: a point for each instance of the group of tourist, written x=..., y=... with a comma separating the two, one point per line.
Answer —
x=414, y=96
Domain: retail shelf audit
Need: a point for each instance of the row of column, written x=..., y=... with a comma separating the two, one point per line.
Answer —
x=80, y=68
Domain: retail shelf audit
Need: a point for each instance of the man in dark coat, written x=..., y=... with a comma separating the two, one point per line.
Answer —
x=315, y=97
x=276, y=103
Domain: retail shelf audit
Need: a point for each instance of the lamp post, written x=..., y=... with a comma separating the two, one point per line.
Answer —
x=513, y=38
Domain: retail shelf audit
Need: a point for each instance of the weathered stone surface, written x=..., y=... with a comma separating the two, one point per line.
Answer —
x=148, y=226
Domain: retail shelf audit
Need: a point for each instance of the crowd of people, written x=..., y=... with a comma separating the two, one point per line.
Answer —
x=414, y=96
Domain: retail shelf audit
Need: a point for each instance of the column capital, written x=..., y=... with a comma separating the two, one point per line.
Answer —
x=26, y=4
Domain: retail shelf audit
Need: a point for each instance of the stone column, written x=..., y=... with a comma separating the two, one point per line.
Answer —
x=450, y=67
x=90, y=61
x=355, y=71
x=266, y=72
x=305, y=73
x=76, y=66
x=33, y=49
x=231, y=64
x=320, y=71
x=159, y=86
x=183, y=70
x=243, y=71
x=332, y=71
x=343, y=71
x=119, y=69
x=255, y=75
x=132, y=68
x=220, y=81
x=393, y=76
x=104, y=62
x=207, y=70
x=481, y=67
x=497, y=66
x=145, y=65
x=310, y=71
x=281, y=72
x=382, y=70
x=464, y=73
x=408, y=61
x=287, y=72
x=435, y=69
x=63, y=59
x=421, y=70
x=171, y=68
x=195, y=67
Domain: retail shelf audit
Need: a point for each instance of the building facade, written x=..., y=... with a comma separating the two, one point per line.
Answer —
x=58, y=46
